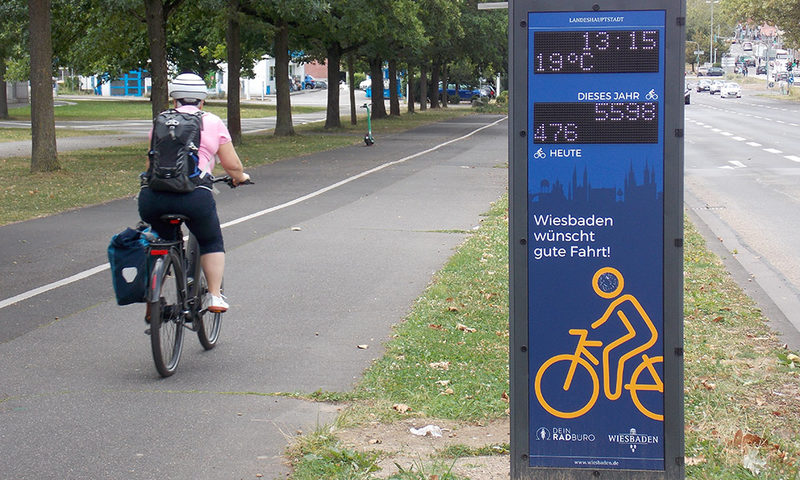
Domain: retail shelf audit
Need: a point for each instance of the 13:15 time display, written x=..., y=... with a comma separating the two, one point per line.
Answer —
x=602, y=122
x=604, y=51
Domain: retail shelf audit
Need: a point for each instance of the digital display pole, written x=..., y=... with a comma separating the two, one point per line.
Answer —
x=596, y=239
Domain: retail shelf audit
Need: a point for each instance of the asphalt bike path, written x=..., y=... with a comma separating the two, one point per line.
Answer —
x=325, y=253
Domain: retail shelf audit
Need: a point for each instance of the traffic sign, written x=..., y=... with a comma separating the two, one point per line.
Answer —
x=699, y=52
x=596, y=239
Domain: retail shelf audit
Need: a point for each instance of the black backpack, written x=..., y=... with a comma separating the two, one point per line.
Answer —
x=173, y=152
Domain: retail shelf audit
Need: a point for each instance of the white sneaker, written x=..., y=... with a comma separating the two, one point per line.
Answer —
x=216, y=304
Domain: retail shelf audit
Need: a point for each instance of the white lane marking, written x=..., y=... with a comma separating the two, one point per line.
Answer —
x=727, y=134
x=106, y=266
x=772, y=150
x=793, y=158
x=754, y=144
x=738, y=139
x=734, y=165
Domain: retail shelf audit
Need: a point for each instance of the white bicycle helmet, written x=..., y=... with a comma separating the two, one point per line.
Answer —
x=189, y=87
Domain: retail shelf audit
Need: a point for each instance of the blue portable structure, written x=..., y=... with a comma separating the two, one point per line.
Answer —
x=130, y=84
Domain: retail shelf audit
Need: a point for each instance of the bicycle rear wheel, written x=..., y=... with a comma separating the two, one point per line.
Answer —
x=210, y=323
x=166, y=316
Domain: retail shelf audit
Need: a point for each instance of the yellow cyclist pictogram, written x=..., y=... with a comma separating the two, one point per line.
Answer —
x=608, y=283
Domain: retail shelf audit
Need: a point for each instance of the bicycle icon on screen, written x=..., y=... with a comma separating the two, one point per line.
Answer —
x=607, y=283
x=539, y=154
x=651, y=95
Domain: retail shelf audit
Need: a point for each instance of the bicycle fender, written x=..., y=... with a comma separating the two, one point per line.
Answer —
x=154, y=282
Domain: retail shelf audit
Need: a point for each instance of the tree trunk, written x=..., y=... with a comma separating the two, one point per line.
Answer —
x=157, y=34
x=233, y=40
x=410, y=89
x=283, y=121
x=445, y=83
x=3, y=90
x=394, y=100
x=435, y=84
x=423, y=87
x=44, y=156
x=351, y=79
x=376, y=86
x=332, y=119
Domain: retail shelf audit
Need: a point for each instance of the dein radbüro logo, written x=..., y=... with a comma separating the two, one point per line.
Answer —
x=633, y=439
x=562, y=434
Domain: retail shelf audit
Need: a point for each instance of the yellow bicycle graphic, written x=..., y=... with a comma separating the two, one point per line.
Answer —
x=608, y=283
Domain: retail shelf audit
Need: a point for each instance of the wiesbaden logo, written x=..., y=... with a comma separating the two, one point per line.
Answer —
x=633, y=439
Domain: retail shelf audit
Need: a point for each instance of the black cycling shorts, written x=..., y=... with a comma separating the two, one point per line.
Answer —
x=198, y=205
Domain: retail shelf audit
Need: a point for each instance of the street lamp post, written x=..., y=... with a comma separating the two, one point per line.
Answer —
x=711, y=41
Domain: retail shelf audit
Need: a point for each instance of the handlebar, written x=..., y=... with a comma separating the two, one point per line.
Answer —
x=227, y=179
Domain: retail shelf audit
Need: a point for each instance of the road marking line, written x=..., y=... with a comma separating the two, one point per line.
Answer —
x=106, y=266
x=738, y=139
x=772, y=150
x=793, y=158
x=754, y=144
x=716, y=130
x=727, y=134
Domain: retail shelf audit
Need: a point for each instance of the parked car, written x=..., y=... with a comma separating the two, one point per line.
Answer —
x=761, y=70
x=747, y=46
x=488, y=91
x=703, y=85
x=716, y=72
x=465, y=92
x=716, y=87
x=320, y=84
x=731, y=89
x=747, y=60
x=701, y=71
x=308, y=82
x=686, y=95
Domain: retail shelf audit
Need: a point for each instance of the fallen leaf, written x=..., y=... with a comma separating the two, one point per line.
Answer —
x=448, y=391
x=374, y=441
x=465, y=328
x=443, y=365
x=443, y=382
x=504, y=396
x=452, y=308
x=401, y=407
x=363, y=346
x=695, y=460
x=752, y=462
x=435, y=326
x=708, y=385
x=717, y=320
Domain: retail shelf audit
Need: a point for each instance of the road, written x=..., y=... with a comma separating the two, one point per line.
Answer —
x=742, y=169
x=333, y=250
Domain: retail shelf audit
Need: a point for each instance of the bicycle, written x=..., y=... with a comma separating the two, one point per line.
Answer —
x=577, y=358
x=175, y=292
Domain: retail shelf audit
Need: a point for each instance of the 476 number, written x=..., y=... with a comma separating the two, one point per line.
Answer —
x=556, y=132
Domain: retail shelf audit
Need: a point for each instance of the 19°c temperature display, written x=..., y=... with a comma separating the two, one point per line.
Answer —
x=596, y=51
x=600, y=122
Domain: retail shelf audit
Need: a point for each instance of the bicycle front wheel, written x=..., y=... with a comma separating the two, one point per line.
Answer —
x=210, y=323
x=166, y=316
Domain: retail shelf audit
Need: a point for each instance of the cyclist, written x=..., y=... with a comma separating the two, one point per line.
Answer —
x=189, y=91
x=640, y=333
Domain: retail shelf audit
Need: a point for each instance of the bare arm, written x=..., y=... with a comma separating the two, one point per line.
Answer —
x=231, y=163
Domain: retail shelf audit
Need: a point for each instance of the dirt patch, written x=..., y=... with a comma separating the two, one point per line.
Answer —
x=399, y=446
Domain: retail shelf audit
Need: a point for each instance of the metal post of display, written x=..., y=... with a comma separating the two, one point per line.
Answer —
x=596, y=239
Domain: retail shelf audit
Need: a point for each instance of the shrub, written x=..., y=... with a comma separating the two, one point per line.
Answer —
x=453, y=99
x=502, y=98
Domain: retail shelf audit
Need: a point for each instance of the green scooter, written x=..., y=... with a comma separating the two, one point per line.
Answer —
x=368, y=139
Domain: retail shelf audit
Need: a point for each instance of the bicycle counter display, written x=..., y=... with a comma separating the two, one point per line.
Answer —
x=590, y=138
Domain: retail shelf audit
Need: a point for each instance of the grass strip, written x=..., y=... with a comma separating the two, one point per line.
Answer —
x=95, y=176
x=742, y=387
x=24, y=134
x=141, y=110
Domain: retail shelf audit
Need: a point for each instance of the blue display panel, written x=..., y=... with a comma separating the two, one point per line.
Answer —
x=595, y=239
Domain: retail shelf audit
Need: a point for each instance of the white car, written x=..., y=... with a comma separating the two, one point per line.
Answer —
x=731, y=89
x=716, y=87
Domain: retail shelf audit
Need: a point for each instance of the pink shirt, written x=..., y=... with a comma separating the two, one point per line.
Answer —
x=214, y=134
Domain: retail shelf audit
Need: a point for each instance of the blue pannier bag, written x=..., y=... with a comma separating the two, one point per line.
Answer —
x=127, y=254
